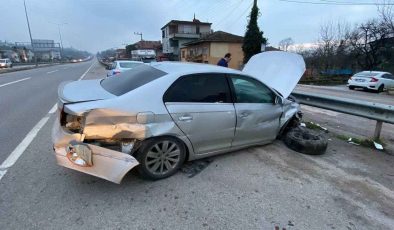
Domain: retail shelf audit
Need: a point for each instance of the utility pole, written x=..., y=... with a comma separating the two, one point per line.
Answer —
x=60, y=36
x=136, y=33
x=31, y=39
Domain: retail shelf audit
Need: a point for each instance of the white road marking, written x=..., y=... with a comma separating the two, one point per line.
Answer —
x=20, y=149
x=9, y=83
x=52, y=71
x=84, y=74
x=53, y=109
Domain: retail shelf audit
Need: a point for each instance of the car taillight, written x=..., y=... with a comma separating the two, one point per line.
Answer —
x=350, y=78
x=116, y=72
x=373, y=79
x=71, y=122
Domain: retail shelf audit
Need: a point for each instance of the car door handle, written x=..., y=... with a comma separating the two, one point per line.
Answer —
x=244, y=114
x=185, y=118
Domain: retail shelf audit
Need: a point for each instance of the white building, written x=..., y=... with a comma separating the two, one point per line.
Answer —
x=176, y=33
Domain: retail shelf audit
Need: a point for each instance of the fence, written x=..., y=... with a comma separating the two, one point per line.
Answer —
x=375, y=111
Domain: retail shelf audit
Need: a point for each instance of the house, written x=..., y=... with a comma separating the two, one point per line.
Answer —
x=25, y=54
x=212, y=47
x=176, y=33
x=120, y=54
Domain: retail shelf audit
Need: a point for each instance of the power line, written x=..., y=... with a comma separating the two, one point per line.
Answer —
x=326, y=2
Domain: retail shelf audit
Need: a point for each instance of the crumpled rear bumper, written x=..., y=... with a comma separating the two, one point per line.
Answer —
x=107, y=164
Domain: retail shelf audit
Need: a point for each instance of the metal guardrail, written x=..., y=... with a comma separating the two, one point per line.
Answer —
x=374, y=111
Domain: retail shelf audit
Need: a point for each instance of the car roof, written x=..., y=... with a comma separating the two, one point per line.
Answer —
x=190, y=68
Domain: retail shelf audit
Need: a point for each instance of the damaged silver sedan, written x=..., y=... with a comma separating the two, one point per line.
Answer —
x=155, y=117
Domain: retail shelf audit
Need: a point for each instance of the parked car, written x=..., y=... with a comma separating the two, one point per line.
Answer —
x=160, y=115
x=118, y=67
x=371, y=80
x=5, y=63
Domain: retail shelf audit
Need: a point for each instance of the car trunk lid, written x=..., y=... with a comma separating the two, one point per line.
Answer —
x=277, y=69
x=81, y=91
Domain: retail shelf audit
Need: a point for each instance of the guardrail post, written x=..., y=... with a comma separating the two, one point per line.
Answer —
x=378, y=129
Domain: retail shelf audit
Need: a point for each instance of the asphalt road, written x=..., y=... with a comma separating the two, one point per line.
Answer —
x=350, y=187
x=26, y=96
x=344, y=91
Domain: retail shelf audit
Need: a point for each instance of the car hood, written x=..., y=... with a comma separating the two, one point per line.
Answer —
x=277, y=69
x=85, y=90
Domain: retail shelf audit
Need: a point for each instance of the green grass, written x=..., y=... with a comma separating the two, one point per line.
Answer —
x=369, y=143
x=313, y=126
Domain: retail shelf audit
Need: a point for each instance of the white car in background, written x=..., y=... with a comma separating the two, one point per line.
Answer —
x=5, y=63
x=118, y=67
x=371, y=80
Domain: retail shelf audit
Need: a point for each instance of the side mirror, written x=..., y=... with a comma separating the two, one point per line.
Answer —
x=278, y=100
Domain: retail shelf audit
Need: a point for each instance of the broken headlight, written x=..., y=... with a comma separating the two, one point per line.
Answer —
x=80, y=155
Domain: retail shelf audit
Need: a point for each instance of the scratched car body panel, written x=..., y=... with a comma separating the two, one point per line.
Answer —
x=102, y=126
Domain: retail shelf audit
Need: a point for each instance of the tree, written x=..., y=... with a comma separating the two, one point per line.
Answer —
x=253, y=36
x=386, y=12
x=369, y=42
x=285, y=43
x=129, y=48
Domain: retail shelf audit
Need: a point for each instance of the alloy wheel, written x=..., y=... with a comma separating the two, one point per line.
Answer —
x=162, y=157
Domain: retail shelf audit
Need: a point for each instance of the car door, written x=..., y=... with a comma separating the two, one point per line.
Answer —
x=256, y=111
x=388, y=80
x=201, y=106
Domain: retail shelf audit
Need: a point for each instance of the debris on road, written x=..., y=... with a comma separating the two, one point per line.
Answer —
x=378, y=146
x=315, y=126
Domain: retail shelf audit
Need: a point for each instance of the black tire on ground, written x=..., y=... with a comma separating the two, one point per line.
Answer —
x=351, y=87
x=305, y=141
x=158, y=151
x=380, y=89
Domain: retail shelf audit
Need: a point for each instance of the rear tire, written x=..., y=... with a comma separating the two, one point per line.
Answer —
x=351, y=87
x=381, y=88
x=160, y=157
x=305, y=141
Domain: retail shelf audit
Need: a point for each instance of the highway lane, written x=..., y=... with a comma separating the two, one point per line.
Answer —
x=264, y=187
x=26, y=96
x=343, y=91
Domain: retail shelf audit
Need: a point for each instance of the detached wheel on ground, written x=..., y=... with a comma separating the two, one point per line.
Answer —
x=160, y=157
x=305, y=141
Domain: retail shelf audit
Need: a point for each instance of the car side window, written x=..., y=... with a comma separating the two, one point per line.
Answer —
x=199, y=88
x=249, y=90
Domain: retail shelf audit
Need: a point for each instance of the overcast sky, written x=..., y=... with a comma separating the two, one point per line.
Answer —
x=96, y=25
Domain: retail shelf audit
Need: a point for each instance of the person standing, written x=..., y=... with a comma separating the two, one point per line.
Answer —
x=224, y=61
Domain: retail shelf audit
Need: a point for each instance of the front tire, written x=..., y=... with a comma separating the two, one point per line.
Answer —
x=160, y=157
x=305, y=141
x=351, y=87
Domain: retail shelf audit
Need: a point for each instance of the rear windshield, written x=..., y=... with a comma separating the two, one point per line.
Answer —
x=365, y=74
x=128, y=64
x=132, y=79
